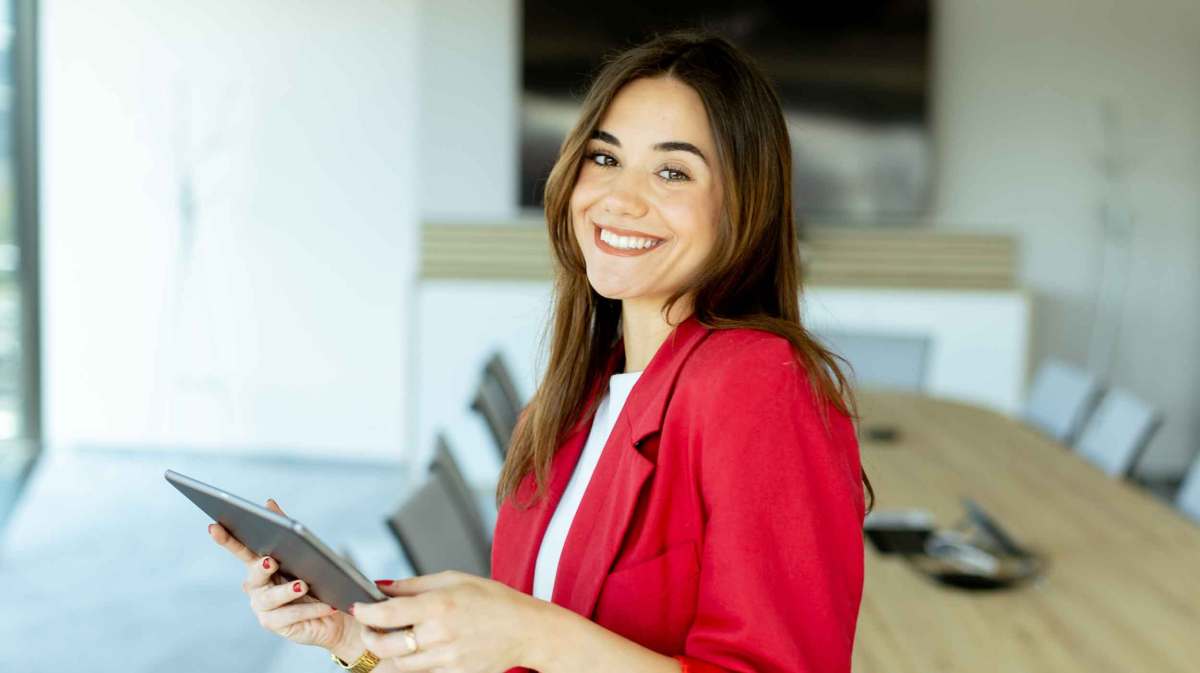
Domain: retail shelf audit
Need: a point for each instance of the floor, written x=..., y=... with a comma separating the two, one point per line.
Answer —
x=102, y=555
x=12, y=478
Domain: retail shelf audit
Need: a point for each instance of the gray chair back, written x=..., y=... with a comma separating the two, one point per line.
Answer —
x=433, y=532
x=891, y=361
x=1117, y=432
x=1060, y=400
x=446, y=467
x=497, y=402
x=497, y=370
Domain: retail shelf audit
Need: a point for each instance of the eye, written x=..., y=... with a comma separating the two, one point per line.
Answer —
x=602, y=159
x=592, y=156
x=674, y=171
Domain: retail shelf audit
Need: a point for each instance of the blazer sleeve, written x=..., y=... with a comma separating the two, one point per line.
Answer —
x=782, y=555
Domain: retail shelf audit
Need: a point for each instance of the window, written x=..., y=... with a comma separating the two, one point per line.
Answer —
x=20, y=418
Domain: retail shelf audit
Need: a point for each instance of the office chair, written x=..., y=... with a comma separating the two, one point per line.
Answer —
x=1060, y=400
x=1117, y=432
x=434, y=533
x=499, y=372
x=897, y=362
x=446, y=467
x=494, y=401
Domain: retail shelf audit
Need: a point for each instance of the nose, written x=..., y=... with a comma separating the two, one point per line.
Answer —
x=624, y=198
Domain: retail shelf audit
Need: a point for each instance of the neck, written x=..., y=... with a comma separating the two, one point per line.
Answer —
x=644, y=326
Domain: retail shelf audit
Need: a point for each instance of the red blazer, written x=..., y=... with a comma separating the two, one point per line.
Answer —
x=722, y=526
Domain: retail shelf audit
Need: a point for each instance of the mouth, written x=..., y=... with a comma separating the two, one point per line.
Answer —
x=624, y=246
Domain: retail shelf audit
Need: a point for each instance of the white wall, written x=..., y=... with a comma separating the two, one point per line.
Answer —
x=470, y=107
x=469, y=172
x=274, y=317
x=978, y=347
x=417, y=101
x=1019, y=87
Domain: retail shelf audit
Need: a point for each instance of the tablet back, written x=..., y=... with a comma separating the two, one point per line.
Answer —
x=299, y=553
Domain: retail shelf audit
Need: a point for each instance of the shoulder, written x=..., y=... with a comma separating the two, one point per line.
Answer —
x=749, y=401
x=751, y=376
x=744, y=358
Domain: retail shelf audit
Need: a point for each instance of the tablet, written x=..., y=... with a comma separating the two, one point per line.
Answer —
x=300, y=554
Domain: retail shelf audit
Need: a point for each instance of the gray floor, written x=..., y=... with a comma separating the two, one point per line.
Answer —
x=9, y=487
x=103, y=557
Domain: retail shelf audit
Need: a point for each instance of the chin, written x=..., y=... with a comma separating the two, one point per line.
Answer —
x=610, y=290
x=609, y=293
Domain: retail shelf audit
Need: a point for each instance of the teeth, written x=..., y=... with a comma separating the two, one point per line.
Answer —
x=626, y=242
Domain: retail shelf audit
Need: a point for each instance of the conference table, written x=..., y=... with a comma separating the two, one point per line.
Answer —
x=1121, y=592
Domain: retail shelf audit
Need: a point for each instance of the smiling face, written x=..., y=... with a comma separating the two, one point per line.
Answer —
x=648, y=196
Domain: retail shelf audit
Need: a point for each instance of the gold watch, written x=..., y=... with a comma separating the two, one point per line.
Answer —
x=365, y=662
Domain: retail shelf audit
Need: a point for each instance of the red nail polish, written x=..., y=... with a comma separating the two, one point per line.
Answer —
x=267, y=563
x=296, y=587
x=384, y=583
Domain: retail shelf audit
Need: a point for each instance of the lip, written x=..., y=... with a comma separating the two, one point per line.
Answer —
x=627, y=232
x=619, y=252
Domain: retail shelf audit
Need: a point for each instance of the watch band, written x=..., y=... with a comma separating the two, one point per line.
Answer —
x=365, y=662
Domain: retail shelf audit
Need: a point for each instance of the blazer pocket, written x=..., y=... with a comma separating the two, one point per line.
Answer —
x=653, y=601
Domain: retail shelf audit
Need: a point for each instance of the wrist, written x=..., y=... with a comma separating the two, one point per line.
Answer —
x=546, y=627
x=351, y=646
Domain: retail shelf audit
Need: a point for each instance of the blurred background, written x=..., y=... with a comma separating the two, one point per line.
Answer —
x=295, y=250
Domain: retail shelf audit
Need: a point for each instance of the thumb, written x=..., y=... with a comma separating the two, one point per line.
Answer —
x=412, y=586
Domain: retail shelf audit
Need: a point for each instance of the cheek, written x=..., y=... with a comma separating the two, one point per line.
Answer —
x=582, y=198
x=695, y=224
x=578, y=217
x=585, y=183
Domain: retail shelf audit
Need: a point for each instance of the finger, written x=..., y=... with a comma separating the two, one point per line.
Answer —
x=222, y=537
x=281, y=618
x=422, y=583
x=259, y=572
x=421, y=661
x=274, y=506
x=396, y=645
x=398, y=611
x=273, y=596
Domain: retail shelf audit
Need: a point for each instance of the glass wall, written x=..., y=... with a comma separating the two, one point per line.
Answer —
x=19, y=390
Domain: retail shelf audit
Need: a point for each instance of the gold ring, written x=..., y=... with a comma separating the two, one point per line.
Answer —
x=410, y=637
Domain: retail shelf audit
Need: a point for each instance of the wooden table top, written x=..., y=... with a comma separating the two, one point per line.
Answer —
x=1122, y=589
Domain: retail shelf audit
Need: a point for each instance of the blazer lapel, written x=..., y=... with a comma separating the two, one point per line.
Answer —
x=518, y=531
x=604, y=514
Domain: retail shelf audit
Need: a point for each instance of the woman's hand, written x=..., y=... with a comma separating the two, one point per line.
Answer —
x=283, y=606
x=462, y=623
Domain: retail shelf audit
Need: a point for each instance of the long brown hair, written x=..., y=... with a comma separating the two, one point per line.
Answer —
x=750, y=279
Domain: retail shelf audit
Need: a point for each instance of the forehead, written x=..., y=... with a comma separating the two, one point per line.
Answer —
x=651, y=110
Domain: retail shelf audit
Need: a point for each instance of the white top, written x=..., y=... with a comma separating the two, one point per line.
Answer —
x=550, y=551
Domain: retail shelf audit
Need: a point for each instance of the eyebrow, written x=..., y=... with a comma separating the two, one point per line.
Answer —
x=668, y=146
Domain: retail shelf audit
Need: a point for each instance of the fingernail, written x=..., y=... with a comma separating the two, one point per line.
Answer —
x=351, y=610
x=384, y=583
x=296, y=587
x=267, y=563
x=210, y=529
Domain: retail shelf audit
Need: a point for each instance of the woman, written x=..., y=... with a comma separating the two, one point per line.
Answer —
x=683, y=492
